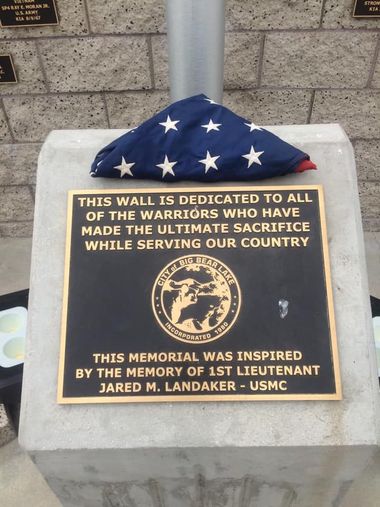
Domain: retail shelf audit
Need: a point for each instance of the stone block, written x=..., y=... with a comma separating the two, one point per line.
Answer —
x=371, y=224
x=96, y=63
x=272, y=14
x=376, y=75
x=7, y=432
x=358, y=111
x=369, y=192
x=241, y=57
x=14, y=270
x=18, y=163
x=28, y=71
x=16, y=203
x=338, y=14
x=318, y=59
x=72, y=21
x=16, y=229
x=132, y=16
x=32, y=117
x=300, y=452
x=127, y=110
x=160, y=62
x=5, y=135
x=367, y=154
x=270, y=106
x=241, y=60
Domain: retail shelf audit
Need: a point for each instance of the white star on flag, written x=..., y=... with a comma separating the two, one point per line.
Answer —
x=253, y=157
x=211, y=126
x=167, y=167
x=169, y=124
x=211, y=101
x=124, y=167
x=209, y=161
x=252, y=127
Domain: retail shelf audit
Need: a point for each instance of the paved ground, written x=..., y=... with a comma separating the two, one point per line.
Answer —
x=21, y=485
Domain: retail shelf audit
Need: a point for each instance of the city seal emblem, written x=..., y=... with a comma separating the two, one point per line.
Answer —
x=196, y=299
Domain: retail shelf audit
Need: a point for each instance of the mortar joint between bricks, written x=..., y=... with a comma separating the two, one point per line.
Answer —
x=157, y=34
x=87, y=16
x=151, y=62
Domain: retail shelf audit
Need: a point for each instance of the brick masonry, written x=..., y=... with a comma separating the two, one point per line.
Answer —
x=105, y=66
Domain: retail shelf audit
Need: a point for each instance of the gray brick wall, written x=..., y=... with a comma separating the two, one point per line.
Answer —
x=105, y=65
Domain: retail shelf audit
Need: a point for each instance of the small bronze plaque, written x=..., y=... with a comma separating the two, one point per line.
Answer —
x=197, y=294
x=366, y=9
x=7, y=70
x=16, y=13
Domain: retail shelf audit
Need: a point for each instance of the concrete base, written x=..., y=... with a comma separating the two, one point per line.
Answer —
x=201, y=454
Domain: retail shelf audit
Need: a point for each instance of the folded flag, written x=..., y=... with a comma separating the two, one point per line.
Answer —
x=200, y=140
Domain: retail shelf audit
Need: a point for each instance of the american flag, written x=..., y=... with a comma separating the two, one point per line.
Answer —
x=200, y=140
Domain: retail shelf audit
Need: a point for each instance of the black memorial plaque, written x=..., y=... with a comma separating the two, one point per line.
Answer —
x=197, y=294
x=16, y=13
x=366, y=9
x=7, y=70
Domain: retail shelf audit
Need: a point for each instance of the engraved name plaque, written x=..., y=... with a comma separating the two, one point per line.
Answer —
x=17, y=13
x=197, y=294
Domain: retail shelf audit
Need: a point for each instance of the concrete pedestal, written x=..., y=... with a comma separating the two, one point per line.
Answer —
x=263, y=454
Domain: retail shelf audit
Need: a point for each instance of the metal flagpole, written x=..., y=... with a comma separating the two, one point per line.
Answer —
x=196, y=47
